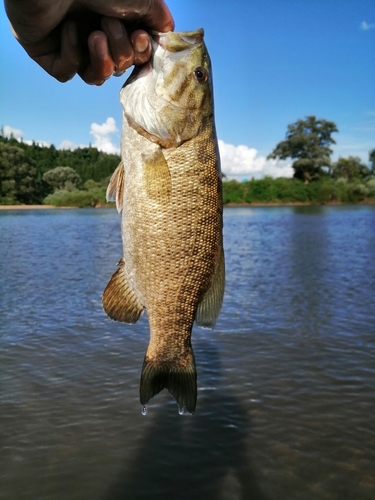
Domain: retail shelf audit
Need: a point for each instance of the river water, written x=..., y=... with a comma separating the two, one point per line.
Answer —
x=286, y=379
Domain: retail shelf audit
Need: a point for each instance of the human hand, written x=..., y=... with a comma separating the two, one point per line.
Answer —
x=92, y=38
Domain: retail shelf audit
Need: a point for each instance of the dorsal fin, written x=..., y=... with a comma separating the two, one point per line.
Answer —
x=115, y=189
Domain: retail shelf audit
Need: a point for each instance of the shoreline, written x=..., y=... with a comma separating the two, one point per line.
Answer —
x=47, y=207
x=229, y=205
x=300, y=204
x=30, y=207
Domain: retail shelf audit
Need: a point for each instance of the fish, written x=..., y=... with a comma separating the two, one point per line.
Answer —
x=168, y=188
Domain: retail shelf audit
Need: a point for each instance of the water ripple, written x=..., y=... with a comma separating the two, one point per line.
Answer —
x=285, y=380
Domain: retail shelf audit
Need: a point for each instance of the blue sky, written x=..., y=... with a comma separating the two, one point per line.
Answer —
x=274, y=61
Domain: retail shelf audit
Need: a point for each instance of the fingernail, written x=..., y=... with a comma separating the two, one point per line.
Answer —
x=119, y=72
x=116, y=29
x=141, y=43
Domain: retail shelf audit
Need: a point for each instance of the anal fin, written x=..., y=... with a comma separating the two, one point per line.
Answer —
x=180, y=380
x=209, y=307
x=119, y=300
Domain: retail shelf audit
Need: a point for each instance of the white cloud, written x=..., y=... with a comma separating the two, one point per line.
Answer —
x=17, y=133
x=365, y=26
x=42, y=144
x=9, y=131
x=103, y=136
x=66, y=144
x=241, y=162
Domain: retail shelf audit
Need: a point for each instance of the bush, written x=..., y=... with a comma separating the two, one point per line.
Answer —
x=77, y=198
x=267, y=190
x=371, y=188
x=326, y=192
x=356, y=192
x=290, y=190
x=262, y=190
x=8, y=200
x=233, y=192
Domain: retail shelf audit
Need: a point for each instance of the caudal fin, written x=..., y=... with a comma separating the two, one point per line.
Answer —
x=180, y=380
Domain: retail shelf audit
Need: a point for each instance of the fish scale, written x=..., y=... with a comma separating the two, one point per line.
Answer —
x=168, y=187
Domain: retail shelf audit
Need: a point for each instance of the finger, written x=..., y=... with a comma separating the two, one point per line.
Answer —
x=159, y=17
x=142, y=46
x=121, y=49
x=66, y=65
x=101, y=65
x=58, y=54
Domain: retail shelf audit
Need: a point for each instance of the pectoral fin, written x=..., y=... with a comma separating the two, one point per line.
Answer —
x=156, y=175
x=119, y=300
x=115, y=189
x=209, y=307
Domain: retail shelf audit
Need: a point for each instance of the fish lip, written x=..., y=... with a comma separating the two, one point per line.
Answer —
x=187, y=38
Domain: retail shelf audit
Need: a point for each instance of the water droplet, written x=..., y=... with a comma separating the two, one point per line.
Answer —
x=181, y=410
x=144, y=410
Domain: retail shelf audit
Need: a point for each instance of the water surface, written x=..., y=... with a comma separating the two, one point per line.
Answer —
x=285, y=380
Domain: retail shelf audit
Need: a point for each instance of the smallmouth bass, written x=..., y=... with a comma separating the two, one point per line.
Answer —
x=168, y=187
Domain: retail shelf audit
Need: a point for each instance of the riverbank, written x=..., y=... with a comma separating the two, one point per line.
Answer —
x=369, y=201
x=28, y=207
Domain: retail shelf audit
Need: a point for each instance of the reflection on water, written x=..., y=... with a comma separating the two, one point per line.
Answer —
x=285, y=380
x=202, y=455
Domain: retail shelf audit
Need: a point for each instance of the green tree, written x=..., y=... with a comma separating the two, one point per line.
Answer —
x=350, y=168
x=372, y=160
x=88, y=163
x=62, y=178
x=18, y=182
x=308, y=142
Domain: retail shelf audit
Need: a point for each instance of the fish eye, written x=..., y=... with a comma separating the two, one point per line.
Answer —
x=200, y=75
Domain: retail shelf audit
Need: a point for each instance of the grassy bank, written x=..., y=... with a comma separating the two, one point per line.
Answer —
x=267, y=191
x=78, y=198
x=286, y=191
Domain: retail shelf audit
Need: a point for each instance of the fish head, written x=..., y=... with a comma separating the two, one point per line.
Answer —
x=171, y=98
x=183, y=70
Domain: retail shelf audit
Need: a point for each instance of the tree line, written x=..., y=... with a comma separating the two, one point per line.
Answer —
x=285, y=190
x=33, y=174
x=316, y=179
x=24, y=170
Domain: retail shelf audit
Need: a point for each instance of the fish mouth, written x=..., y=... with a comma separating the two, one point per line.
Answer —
x=172, y=41
x=175, y=41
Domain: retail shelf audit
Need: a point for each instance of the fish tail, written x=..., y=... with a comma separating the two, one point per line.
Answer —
x=180, y=378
